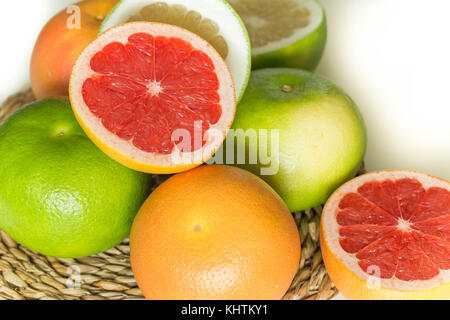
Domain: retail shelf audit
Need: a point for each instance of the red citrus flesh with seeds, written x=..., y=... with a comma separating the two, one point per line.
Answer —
x=394, y=226
x=155, y=89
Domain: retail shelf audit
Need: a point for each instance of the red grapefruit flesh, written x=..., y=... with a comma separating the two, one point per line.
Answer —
x=155, y=97
x=394, y=226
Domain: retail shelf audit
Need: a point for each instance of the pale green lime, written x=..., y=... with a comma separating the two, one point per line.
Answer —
x=322, y=137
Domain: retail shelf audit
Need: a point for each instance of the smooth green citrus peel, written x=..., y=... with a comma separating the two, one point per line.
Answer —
x=322, y=136
x=213, y=20
x=284, y=33
x=59, y=194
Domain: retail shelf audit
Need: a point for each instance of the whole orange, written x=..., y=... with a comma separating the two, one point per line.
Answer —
x=214, y=232
x=60, y=43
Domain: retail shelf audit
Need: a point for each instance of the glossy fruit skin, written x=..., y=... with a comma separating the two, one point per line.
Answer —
x=322, y=136
x=304, y=54
x=60, y=195
x=214, y=232
x=58, y=47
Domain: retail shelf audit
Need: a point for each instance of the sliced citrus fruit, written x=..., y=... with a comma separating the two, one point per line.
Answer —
x=155, y=97
x=386, y=235
x=213, y=20
x=284, y=33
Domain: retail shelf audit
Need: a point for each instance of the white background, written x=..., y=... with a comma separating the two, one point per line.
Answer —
x=391, y=56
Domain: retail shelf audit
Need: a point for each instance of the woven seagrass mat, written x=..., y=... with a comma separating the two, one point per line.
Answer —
x=25, y=274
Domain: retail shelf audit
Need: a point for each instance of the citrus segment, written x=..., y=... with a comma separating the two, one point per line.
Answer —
x=394, y=226
x=355, y=209
x=213, y=20
x=150, y=88
x=439, y=227
x=437, y=250
x=435, y=203
x=356, y=237
x=413, y=263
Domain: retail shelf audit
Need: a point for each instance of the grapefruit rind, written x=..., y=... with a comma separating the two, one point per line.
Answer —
x=303, y=49
x=123, y=151
x=356, y=288
x=343, y=267
x=231, y=26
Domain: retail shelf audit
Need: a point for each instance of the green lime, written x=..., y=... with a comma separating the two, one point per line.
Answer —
x=316, y=137
x=284, y=33
x=59, y=194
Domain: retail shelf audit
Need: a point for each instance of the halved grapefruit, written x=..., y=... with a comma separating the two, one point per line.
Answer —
x=386, y=235
x=155, y=97
x=213, y=20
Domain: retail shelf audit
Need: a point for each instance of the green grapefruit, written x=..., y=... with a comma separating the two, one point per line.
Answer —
x=322, y=136
x=284, y=33
x=59, y=194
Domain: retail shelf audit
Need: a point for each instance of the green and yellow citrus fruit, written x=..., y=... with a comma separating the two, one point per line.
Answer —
x=284, y=33
x=322, y=136
x=59, y=194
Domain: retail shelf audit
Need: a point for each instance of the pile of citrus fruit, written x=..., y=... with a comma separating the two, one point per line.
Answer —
x=132, y=88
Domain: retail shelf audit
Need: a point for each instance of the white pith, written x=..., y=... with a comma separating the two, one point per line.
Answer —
x=404, y=225
x=154, y=88
x=231, y=28
x=331, y=229
x=316, y=18
x=215, y=135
